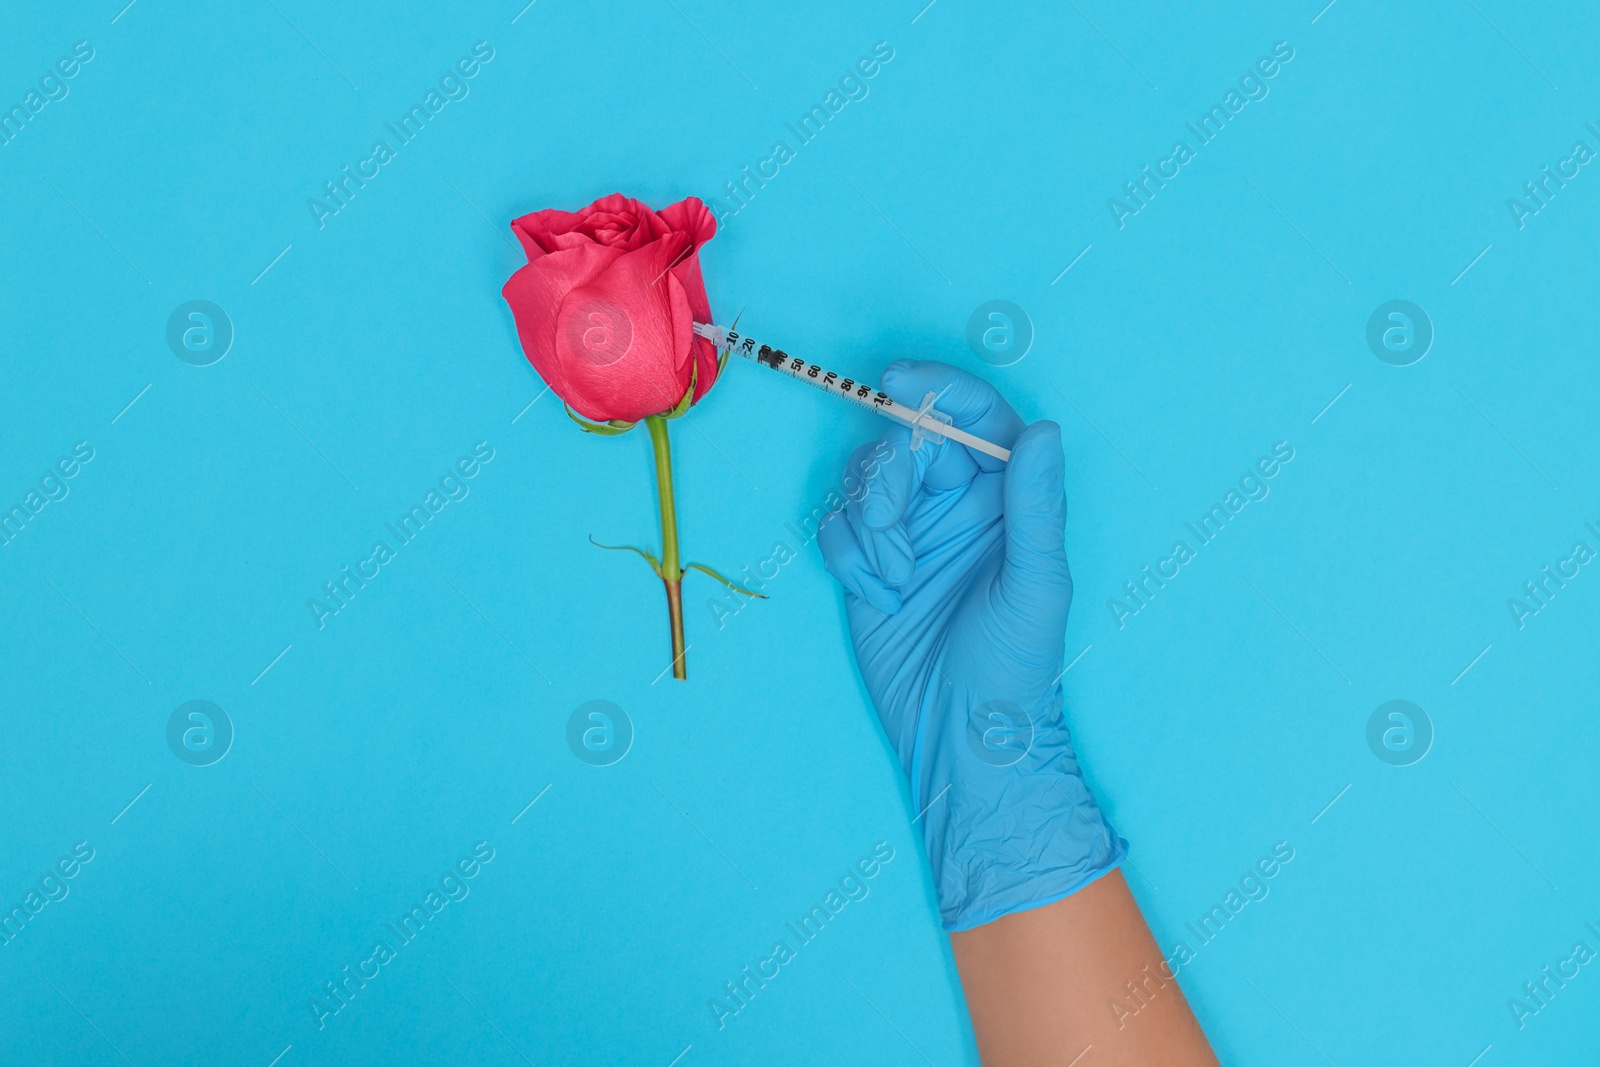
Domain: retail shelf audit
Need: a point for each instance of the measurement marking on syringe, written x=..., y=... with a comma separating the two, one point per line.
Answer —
x=925, y=422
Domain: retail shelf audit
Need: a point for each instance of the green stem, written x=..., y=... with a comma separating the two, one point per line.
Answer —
x=671, y=566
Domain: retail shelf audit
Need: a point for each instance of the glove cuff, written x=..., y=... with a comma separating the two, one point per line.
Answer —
x=1014, y=836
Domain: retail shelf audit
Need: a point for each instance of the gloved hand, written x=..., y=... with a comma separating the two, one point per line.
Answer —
x=957, y=590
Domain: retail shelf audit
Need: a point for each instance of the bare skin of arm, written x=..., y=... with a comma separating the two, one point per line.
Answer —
x=1040, y=986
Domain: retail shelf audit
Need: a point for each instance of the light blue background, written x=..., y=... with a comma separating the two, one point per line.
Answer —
x=426, y=715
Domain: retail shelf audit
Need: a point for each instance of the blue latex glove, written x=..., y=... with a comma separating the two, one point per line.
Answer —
x=957, y=591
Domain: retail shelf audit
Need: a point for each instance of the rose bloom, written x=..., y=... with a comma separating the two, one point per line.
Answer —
x=607, y=303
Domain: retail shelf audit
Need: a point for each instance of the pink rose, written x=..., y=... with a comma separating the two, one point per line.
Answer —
x=607, y=303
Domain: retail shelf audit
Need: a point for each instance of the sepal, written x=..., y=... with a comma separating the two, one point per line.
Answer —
x=605, y=429
x=682, y=406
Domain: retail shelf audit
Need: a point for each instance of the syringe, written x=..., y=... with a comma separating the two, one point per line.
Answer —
x=925, y=422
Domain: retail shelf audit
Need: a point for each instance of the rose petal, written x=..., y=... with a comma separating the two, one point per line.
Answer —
x=559, y=241
x=608, y=228
x=649, y=227
x=615, y=204
x=535, y=230
x=687, y=275
x=692, y=217
x=687, y=271
x=535, y=293
x=637, y=293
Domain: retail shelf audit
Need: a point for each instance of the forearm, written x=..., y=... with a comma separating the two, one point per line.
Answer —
x=1044, y=985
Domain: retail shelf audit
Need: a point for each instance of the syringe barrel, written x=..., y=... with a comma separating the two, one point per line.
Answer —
x=813, y=374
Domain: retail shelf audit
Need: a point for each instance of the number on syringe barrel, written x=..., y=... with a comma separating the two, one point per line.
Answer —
x=734, y=341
